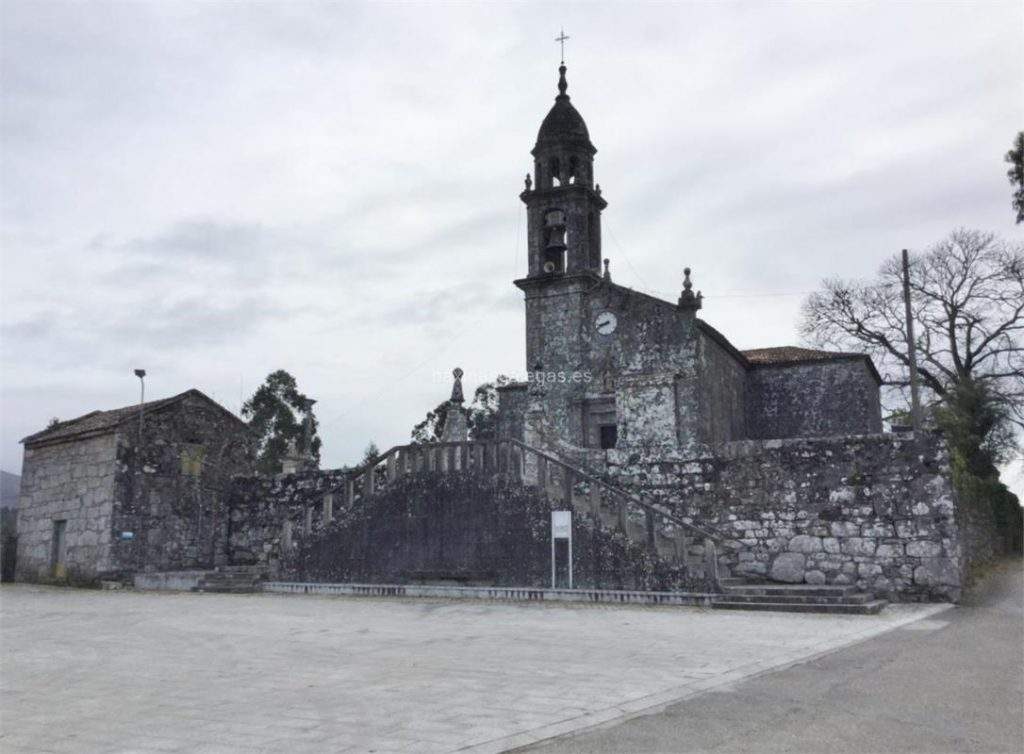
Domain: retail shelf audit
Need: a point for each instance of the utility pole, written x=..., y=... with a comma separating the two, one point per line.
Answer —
x=308, y=431
x=915, y=398
x=141, y=374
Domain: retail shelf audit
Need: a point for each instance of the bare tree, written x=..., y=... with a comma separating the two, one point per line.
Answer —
x=1015, y=157
x=967, y=296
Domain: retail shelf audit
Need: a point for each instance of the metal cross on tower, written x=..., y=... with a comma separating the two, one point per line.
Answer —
x=561, y=40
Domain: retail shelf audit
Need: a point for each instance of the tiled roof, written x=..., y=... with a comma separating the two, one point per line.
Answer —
x=98, y=422
x=786, y=355
x=793, y=354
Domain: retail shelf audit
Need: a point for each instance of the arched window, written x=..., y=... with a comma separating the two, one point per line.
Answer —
x=573, y=176
x=556, y=172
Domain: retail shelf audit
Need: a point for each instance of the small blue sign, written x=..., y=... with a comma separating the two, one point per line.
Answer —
x=127, y=535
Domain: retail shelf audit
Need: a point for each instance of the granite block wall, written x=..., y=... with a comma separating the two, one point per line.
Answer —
x=72, y=482
x=722, y=393
x=816, y=399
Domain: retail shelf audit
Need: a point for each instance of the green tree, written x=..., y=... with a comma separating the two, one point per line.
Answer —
x=370, y=453
x=482, y=419
x=1016, y=174
x=978, y=428
x=277, y=411
x=432, y=426
x=483, y=411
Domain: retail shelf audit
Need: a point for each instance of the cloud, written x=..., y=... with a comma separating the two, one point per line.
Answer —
x=219, y=190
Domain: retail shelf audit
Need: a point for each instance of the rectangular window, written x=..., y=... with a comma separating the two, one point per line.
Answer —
x=193, y=455
x=609, y=436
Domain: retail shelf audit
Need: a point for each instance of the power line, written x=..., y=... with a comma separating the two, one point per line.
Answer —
x=745, y=294
x=626, y=258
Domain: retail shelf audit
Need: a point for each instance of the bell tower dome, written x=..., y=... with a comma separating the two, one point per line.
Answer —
x=563, y=204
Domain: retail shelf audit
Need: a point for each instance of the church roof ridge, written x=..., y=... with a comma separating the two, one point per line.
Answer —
x=775, y=356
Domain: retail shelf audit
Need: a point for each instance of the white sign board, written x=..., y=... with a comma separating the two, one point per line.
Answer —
x=561, y=524
x=561, y=528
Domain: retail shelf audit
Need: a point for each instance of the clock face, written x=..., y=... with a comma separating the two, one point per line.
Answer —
x=606, y=323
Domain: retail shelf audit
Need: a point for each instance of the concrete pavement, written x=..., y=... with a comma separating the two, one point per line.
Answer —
x=951, y=683
x=91, y=671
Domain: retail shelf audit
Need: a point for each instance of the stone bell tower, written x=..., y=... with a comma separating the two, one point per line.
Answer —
x=562, y=202
x=563, y=207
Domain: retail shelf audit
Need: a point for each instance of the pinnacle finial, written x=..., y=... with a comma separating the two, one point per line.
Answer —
x=687, y=300
x=562, y=83
x=457, y=396
x=607, y=272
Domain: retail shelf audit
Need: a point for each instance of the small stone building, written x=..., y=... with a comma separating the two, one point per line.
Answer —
x=103, y=495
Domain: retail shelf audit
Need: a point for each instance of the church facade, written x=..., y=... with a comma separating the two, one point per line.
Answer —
x=611, y=367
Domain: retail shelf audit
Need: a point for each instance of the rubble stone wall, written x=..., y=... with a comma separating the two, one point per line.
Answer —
x=268, y=510
x=172, y=491
x=876, y=511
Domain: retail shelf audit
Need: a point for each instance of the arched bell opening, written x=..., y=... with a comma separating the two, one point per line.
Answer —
x=555, y=242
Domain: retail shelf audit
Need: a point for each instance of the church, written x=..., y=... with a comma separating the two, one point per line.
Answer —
x=610, y=367
x=685, y=465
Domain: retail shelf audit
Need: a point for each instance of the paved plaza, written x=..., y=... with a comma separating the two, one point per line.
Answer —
x=89, y=671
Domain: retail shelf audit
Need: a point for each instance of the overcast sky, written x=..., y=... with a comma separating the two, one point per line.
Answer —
x=216, y=190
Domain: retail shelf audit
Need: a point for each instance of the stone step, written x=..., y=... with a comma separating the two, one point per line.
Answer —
x=867, y=608
x=858, y=598
x=227, y=589
x=767, y=589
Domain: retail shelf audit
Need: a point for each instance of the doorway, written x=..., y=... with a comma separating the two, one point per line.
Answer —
x=58, y=550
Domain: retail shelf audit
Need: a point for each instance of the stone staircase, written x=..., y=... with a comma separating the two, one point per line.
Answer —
x=741, y=594
x=231, y=580
x=645, y=522
x=565, y=485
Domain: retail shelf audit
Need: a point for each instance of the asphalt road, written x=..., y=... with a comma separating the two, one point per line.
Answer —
x=950, y=683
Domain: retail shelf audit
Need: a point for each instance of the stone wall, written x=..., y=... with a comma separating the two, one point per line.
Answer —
x=817, y=399
x=876, y=511
x=72, y=482
x=512, y=404
x=171, y=493
x=266, y=512
x=723, y=393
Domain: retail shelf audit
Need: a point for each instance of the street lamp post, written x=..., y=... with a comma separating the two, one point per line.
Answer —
x=141, y=374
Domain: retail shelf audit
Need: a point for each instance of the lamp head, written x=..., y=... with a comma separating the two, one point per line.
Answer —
x=140, y=373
